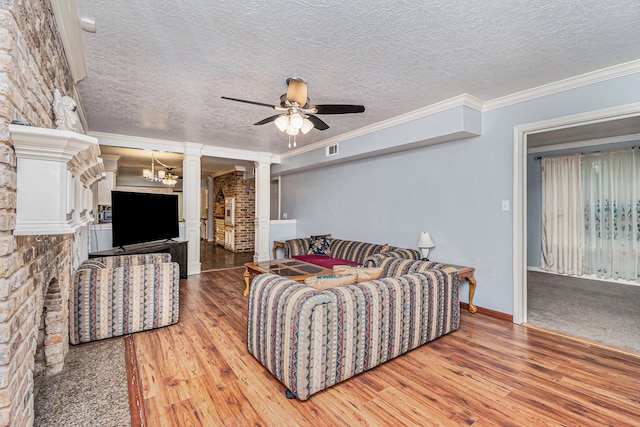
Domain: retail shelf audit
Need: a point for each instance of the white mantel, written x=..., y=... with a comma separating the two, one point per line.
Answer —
x=55, y=170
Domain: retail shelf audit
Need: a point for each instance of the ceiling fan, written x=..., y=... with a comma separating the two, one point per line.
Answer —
x=296, y=115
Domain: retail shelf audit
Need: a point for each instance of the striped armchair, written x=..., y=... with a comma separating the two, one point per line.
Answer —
x=119, y=295
x=310, y=340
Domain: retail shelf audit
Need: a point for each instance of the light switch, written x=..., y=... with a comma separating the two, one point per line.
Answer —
x=284, y=215
x=505, y=205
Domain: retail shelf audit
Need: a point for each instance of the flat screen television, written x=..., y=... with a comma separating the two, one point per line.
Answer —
x=143, y=217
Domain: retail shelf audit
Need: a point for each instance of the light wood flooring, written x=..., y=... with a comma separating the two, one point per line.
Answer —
x=490, y=372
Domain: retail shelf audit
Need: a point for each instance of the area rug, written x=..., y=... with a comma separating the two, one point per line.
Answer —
x=596, y=310
x=91, y=390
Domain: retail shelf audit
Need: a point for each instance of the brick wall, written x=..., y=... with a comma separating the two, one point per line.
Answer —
x=33, y=269
x=244, y=190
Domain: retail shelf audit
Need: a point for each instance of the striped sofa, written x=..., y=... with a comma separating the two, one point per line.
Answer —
x=310, y=340
x=119, y=295
x=358, y=252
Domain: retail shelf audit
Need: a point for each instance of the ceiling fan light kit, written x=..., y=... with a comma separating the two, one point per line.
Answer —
x=296, y=113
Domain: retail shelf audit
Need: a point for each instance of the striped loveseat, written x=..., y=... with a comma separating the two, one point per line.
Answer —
x=310, y=340
x=119, y=295
x=349, y=250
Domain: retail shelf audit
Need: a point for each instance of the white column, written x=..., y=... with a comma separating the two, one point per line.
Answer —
x=210, y=223
x=191, y=204
x=263, y=212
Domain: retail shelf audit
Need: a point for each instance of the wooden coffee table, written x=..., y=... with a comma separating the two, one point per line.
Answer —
x=290, y=268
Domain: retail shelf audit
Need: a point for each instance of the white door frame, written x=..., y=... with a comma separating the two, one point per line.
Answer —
x=520, y=188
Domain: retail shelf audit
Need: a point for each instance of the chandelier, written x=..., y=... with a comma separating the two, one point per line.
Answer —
x=164, y=176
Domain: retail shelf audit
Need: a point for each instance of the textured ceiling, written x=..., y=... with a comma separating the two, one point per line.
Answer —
x=158, y=68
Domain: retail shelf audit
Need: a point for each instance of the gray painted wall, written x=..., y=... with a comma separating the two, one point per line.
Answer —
x=453, y=190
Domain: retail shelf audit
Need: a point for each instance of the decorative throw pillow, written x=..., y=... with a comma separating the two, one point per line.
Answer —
x=319, y=245
x=364, y=273
x=327, y=282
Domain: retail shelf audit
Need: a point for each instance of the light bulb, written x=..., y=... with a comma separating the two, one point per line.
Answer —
x=282, y=123
x=306, y=126
x=296, y=121
x=292, y=131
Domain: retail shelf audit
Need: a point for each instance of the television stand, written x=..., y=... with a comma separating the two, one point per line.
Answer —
x=178, y=251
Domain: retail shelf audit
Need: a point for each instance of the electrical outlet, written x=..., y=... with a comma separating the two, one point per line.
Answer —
x=505, y=205
x=284, y=215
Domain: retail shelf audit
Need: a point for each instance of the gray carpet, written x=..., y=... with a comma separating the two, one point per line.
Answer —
x=595, y=310
x=91, y=390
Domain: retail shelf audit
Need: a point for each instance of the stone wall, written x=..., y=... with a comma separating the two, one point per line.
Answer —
x=32, y=65
x=234, y=185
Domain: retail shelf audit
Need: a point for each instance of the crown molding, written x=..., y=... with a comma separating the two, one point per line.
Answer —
x=68, y=22
x=126, y=141
x=457, y=101
x=631, y=67
x=230, y=169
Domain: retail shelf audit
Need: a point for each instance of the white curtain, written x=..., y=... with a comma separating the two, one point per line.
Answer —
x=611, y=190
x=562, y=224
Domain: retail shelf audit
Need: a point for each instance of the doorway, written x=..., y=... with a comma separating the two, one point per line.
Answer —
x=522, y=136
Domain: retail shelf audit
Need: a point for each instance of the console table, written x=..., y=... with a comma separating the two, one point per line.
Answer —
x=178, y=251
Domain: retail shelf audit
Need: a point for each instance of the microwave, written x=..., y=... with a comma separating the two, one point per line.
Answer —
x=105, y=216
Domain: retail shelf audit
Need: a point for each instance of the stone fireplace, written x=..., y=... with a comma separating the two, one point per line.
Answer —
x=36, y=262
x=55, y=171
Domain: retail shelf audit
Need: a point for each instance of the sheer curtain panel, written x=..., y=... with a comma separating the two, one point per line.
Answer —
x=562, y=224
x=611, y=192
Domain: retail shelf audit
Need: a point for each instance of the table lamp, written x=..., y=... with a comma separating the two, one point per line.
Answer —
x=425, y=243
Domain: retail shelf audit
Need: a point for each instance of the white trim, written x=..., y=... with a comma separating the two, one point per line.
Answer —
x=32, y=142
x=282, y=221
x=587, y=143
x=126, y=141
x=520, y=188
x=230, y=169
x=460, y=100
x=519, y=226
x=66, y=15
x=597, y=76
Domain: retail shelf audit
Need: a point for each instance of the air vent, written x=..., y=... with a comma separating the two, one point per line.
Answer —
x=332, y=150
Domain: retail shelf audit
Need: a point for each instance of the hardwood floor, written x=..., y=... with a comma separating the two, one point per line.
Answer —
x=490, y=372
x=214, y=257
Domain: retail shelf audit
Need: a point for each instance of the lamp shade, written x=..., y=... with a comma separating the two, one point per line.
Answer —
x=425, y=240
x=292, y=131
x=296, y=121
x=282, y=123
x=306, y=126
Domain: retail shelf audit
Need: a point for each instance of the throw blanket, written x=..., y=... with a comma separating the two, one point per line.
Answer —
x=324, y=261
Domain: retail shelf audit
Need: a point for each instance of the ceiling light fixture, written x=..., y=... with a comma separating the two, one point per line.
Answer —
x=165, y=177
x=292, y=124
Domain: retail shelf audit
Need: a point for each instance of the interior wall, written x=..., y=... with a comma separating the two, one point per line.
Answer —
x=453, y=190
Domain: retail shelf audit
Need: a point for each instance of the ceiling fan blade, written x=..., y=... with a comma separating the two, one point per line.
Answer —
x=297, y=91
x=249, y=102
x=338, y=109
x=267, y=120
x=317, y=122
